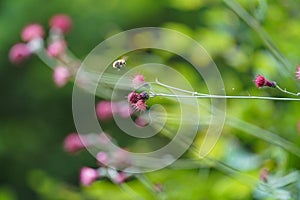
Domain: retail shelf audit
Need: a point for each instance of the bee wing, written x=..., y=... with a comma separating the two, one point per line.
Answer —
x=124, y=58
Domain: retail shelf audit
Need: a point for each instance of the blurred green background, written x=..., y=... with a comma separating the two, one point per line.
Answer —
x=36, y=116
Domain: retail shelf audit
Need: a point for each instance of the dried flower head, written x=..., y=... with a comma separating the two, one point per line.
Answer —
x=144, y=96
x=133, y=97
x=261, y=81
x=32, y=31
x=140, y=105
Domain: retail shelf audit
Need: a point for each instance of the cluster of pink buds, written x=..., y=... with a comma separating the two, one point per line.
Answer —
x=33, y=43
x=138, y=101
x=118, y=159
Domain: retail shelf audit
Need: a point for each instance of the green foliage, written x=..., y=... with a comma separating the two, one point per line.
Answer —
x=243, y=37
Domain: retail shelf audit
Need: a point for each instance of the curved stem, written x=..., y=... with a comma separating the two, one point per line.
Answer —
x=287, y=92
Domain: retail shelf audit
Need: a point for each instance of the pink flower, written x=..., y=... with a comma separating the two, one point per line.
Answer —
x=141, y=121
x=123, y=109
x=32, y=31
x=88, y=175
x=62, y=22
x=138, y=80
x=102, y=158
x=73, y=143
x=261, y=81
x=18, y=53
x=120, y=178
x=263, y=175
x=140, y=105
x=56, y=48
x=133, y=97
x=61, y=76
x=298, y=73
x=104, y=110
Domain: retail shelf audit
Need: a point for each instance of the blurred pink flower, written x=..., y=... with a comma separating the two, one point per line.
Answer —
x=141, y=121
x=18, y=53
x=61, y=76
x=123, y=109
x=102, y=158
x=298, y=73
x=120, y=158
x=138, y=80
x=104, y=110
x=261, y=81
x=32, y=31
x=73, y=143
x=88, y=175
x=56, y=48
x=62, y=22
x=120, y=178
x=263, y=174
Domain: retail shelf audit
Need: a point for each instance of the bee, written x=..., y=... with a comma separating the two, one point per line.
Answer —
x=118, y=64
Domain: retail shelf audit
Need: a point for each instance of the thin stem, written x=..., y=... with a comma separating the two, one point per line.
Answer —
x=148, y=184
x=127, y=189
x=225, y=97
x=287, y=92
x=178, y=89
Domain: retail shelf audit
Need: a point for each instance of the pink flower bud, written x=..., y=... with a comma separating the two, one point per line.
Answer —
x=88, y=175
x=298, y=73
x=56, y=48
x=123, y=109
x=104, y=110
x=261, y=81
x=73, y=143
x=263, y=175
x=138, y=80
x=62, y=22
x=141, y=121
x=61, y=76
x=102, y=158
x=120, y=178
x=18, y=53
x=32, y=31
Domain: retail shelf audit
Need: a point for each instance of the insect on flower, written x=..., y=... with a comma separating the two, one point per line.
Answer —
x=118, y=64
